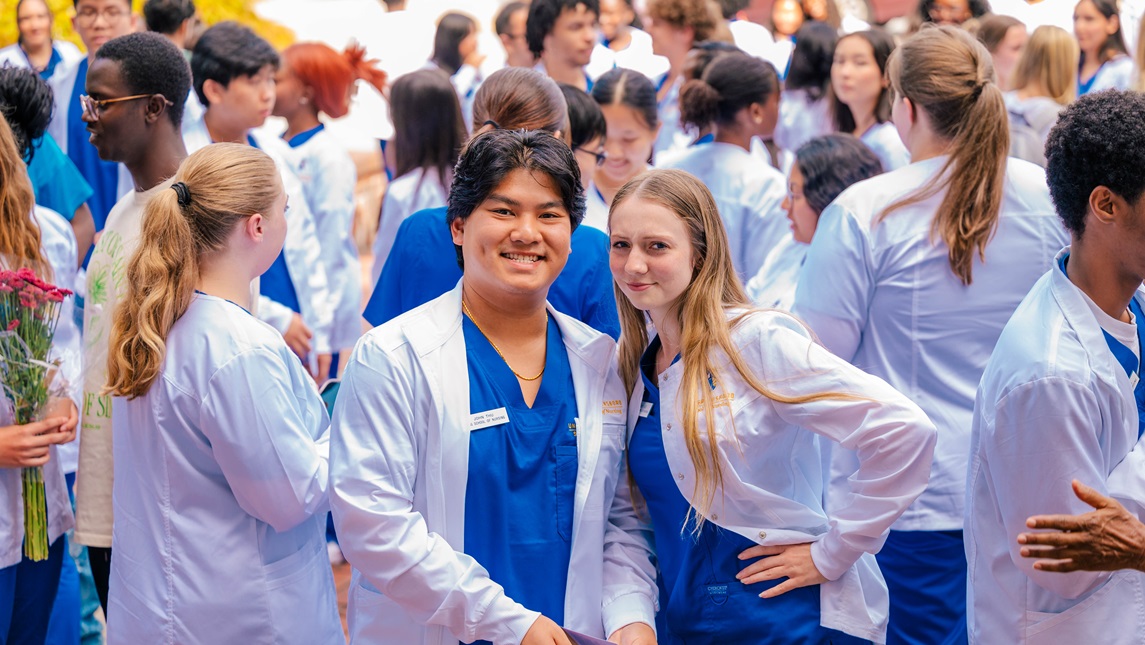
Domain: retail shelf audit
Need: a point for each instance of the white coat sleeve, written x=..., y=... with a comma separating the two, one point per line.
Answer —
x=892, y=437
x=275, y=314
x=1045, y=435
x=630, y=592
x=377, y=435
x=272, y=450
x=837, y=283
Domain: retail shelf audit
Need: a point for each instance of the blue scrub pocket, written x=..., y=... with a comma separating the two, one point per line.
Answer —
x=564, y=487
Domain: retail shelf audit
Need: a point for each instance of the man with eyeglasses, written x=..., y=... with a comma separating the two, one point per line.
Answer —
x=96, y=22
x=510, y=28
x=136, y=88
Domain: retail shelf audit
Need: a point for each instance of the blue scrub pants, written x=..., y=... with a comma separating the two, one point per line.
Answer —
x=926, y=576
x=27, y=593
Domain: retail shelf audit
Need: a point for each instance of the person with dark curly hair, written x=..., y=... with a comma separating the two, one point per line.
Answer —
x=1062, y=399
x=562, y=35
x=952, y=12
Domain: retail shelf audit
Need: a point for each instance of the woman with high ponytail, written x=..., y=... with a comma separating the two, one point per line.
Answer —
x=912, y=275
x=220, y=436
x=739, y=95
x=314, y=79
x=730, y=409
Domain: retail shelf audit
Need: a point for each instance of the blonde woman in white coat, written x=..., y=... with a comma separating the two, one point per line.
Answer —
x=912, y=275
x=729, y=409
x=221, y=440
x=477, y=450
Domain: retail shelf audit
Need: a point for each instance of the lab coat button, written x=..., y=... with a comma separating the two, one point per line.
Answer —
x=669, y=426
x=715, y=517
x=763, y=535
x=680, y=476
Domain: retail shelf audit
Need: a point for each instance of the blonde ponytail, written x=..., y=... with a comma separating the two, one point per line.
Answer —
x=950, y=75
x=214, y=189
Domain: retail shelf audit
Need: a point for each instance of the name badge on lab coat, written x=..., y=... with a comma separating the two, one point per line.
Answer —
x=486, y=419
x=645, y=409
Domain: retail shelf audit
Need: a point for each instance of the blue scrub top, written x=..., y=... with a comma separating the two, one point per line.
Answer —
x=302, y=137
x=102, y=176
x=422, y=265
x=701, y=600
x=56, y=181
x=522, y=475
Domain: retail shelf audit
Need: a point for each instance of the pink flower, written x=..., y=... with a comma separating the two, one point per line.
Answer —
x=14, y=324
x=55, y=295
x=27, y=300
x=6, y=288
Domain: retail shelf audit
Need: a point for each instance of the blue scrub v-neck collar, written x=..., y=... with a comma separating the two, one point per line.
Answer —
x=302, y=137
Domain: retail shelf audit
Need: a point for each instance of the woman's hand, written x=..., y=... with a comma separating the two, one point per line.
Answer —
x=634, y=634
x=323, y=368
x=27, y=446
x=298, y=336
x=545, y=632
x=792, y=561
x=62, y=406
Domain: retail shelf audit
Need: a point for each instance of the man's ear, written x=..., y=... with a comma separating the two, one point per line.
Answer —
x=457, y=230
x=214, y=91
x=1106, y=205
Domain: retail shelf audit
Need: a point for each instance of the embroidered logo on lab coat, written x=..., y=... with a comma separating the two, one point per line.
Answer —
x=614, y=406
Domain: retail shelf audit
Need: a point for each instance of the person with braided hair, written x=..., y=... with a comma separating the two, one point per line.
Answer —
x=912, y=275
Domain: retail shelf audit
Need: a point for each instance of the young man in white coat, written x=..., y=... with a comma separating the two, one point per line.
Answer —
x=477, y=461
x=1062, y=395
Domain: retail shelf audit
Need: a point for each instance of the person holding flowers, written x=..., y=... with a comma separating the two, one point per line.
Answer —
x=31, y=548
x=219, y=437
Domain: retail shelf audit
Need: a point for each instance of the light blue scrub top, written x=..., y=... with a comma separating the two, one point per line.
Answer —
x=522, y=475
x=701, y=601
x=422, y=265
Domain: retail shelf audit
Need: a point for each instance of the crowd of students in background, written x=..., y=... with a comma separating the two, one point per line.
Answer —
x=685, y=329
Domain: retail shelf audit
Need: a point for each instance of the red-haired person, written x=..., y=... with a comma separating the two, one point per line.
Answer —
x=314, y=79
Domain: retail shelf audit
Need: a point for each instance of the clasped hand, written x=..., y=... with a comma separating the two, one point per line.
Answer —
x=29, y=445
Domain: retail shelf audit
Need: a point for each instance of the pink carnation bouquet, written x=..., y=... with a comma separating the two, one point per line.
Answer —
x=29, y=310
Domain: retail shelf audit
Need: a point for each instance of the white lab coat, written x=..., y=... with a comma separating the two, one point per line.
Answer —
x=303, y=254
x=673, y=134
x=13, y=56
x=416, y=190
x=220, y=493
x=63, y=82
x=882, y=295
x=1054, y=405
x=400, y=450
x=637, y=56
x=801, y=119
x=328, y=177
x=59, y=247
x=774, y=285
x=1119, y=73
x=749, y=194
x=595, y=209
x=884, y=140
x=772, y=471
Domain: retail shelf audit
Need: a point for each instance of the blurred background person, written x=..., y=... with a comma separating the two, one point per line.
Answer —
x=861, y=96
x=628, y=101
x=509, y=25
x=35, y=46
x=1005, y=38
x=455, y=53
x=1105, y=62
x=1045, y=81
x=804, y=111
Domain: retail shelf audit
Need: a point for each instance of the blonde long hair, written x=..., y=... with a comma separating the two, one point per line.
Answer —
x=950, y=75
x=20, y=242
x=702, y=314
x=1050, y=59
x=227, y=183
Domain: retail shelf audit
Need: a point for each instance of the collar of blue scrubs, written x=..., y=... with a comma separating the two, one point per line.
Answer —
x=1130, y=362
x=302, y=137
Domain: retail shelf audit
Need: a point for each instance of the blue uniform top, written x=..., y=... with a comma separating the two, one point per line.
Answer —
x=302, y=137
x=276, y=283
x=522, y=475
x=422, y=265
x=701, y=600
x=56, y=181
x=102, y=176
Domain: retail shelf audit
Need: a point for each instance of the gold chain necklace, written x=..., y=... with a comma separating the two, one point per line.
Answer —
x=465, y=308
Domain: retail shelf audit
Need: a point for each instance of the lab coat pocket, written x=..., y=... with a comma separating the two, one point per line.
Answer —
x=1094, y=615
x=373, y=617
x=304, y=580
x=564, y=487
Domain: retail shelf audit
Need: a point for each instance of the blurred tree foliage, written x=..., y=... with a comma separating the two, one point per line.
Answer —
x=211, y=11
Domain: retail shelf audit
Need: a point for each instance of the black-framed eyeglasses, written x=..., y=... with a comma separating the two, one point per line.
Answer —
x=93, y=107
x=601, y=157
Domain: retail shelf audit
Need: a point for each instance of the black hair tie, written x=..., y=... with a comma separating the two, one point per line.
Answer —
x=496, y=126
x=184, y=194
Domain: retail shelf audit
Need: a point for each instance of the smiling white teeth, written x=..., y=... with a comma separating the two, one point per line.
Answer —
x=522, y=258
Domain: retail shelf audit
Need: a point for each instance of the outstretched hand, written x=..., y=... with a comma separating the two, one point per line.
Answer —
x=791, y=561
x=1106, y=539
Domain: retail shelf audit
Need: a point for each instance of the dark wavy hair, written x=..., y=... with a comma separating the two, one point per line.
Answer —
x=543, y=15
x=1099, y=140
x=830, y=164
x=26, y=103
x=151, y=64
x=489, y=157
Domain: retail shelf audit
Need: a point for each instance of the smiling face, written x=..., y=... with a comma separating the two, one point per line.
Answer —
x=651, y=256
x=614, y=15
x=573, y=36
x=855, y=75
x=1092, y=28
x=34, y=22
x=516, y=242
x=628, y=144
x=116, y=133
